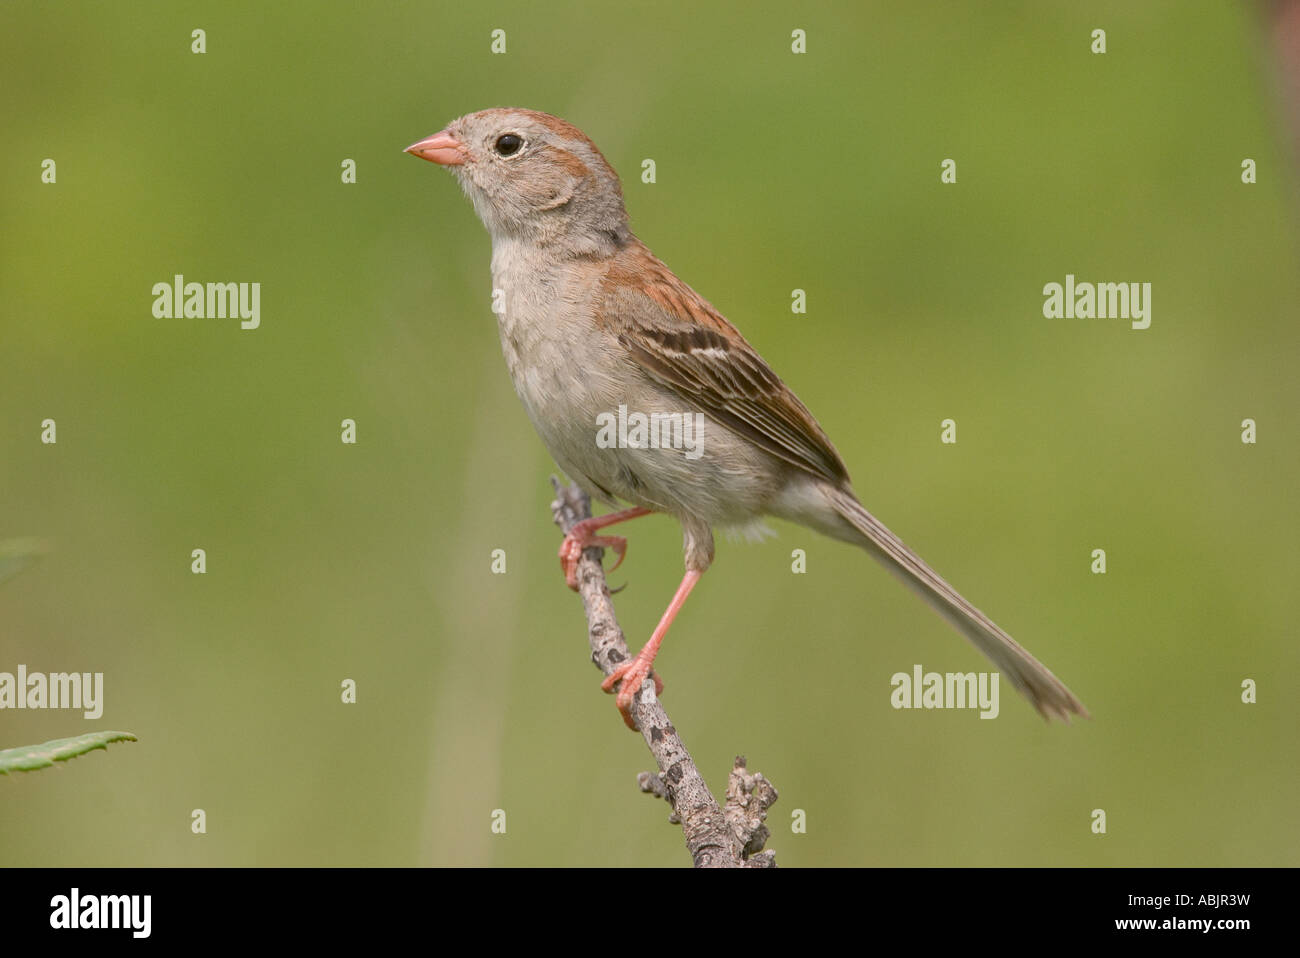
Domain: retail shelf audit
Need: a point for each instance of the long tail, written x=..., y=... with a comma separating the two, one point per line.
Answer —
x=1047, y=693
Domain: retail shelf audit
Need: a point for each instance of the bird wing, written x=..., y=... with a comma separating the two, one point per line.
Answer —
x=682, y=342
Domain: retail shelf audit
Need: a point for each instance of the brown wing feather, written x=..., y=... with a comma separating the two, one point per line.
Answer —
x=681, y=341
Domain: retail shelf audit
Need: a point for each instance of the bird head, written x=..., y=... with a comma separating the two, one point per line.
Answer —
x=532, y=177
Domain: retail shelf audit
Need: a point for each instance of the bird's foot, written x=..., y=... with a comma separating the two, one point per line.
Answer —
x=631, y=674
x=581, y=537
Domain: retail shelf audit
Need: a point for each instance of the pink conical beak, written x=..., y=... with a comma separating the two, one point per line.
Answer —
x=441, y=148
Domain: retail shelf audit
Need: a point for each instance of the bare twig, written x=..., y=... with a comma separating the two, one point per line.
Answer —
x=715, y=838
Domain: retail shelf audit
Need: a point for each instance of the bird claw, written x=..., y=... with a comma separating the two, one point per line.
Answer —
x=580, y=539
x=631, y=674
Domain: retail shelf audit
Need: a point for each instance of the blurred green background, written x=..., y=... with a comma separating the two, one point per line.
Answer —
x=775, y=171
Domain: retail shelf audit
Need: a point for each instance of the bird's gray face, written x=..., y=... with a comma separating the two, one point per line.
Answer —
x=531, y=176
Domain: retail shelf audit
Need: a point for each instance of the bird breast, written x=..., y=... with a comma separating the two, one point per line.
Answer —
x=573, y=375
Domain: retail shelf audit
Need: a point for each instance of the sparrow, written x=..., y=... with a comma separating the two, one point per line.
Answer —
x=591, y=323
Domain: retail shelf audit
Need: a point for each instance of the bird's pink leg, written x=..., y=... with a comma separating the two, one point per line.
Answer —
x=633, y=672
x=580, y=537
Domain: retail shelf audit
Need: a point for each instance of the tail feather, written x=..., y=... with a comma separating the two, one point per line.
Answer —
x=1033, y=679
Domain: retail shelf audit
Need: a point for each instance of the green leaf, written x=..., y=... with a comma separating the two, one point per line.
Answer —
x=18, y=554
x=28, y=758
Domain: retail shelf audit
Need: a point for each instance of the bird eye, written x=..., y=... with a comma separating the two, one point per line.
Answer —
x=508, y=144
